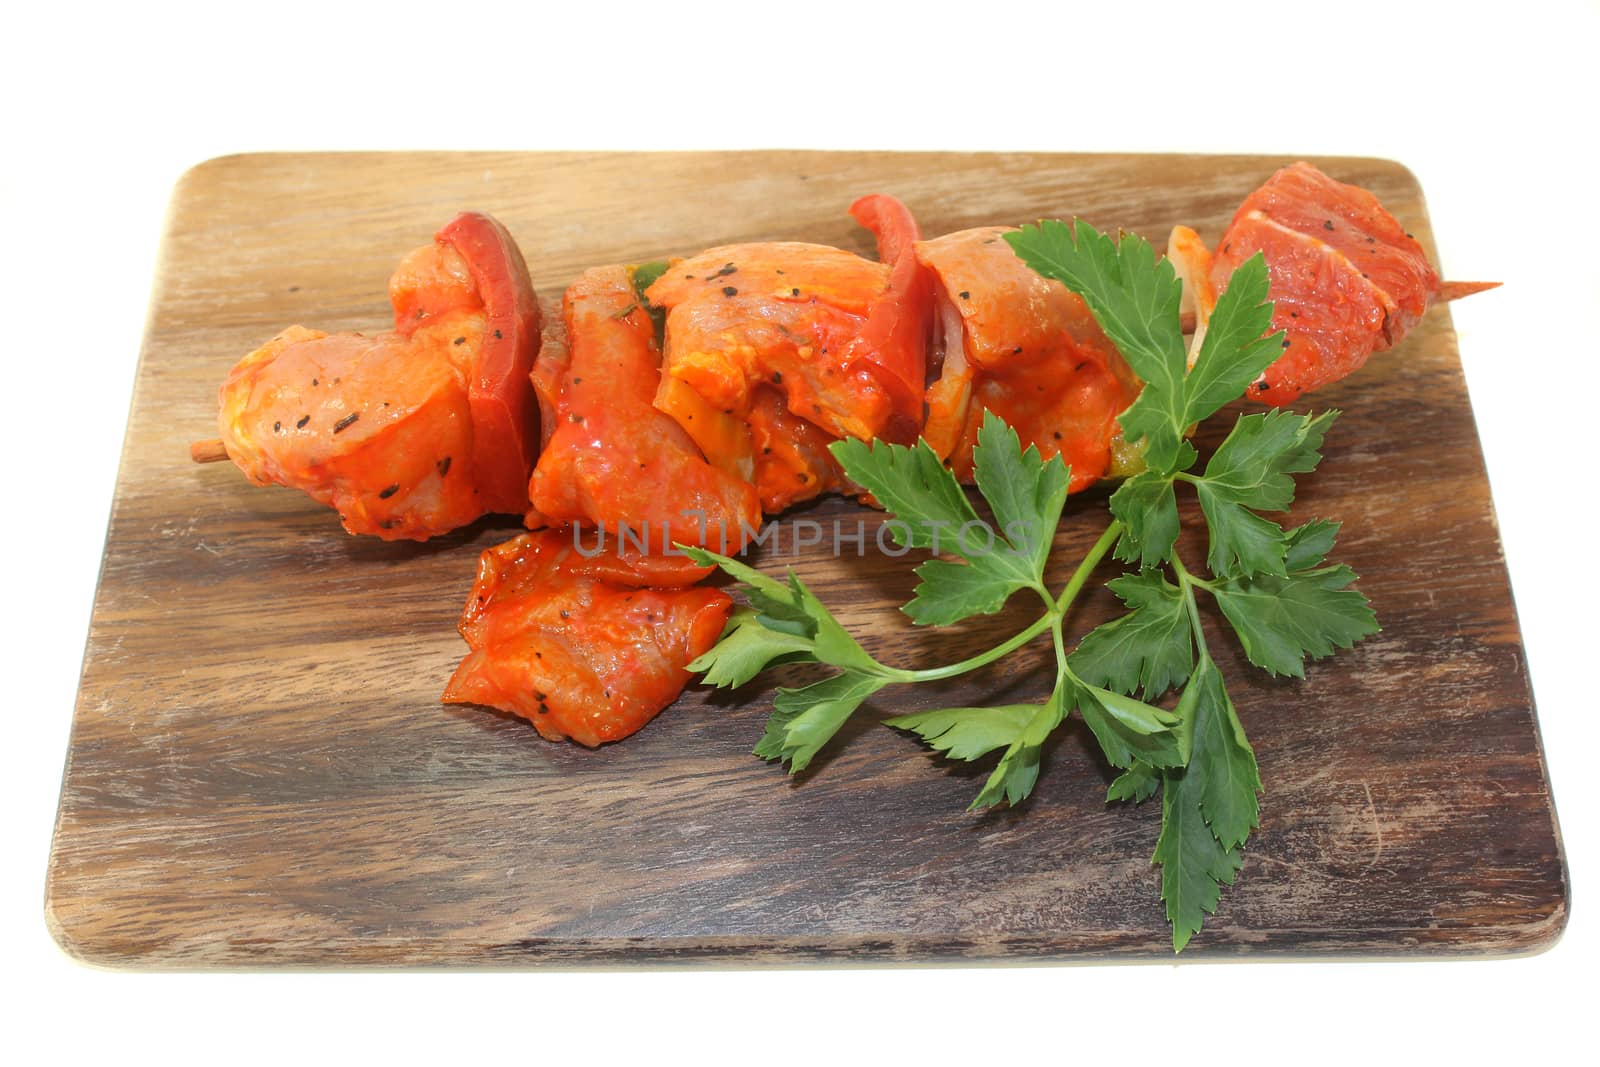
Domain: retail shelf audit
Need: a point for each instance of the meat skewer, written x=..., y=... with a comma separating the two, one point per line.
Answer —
x=1346, y=279
x=212, y=450
x=770, y=352
x=1282, y=204
x=803, y=340
x=1027, y=349
x=613, y=460
x=408, y=433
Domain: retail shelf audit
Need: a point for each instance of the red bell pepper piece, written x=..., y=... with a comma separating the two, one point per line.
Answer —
x=505, y=414
x=894, y=342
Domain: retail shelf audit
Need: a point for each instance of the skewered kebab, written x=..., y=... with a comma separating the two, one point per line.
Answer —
x=613, y=460
x=410, y=433
x=1025, y=348
x=1346, y=279
x=821, y=343
x=790, y=342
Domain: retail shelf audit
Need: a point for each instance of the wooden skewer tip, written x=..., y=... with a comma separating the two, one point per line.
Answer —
x=212, y=451
x=1456, y=290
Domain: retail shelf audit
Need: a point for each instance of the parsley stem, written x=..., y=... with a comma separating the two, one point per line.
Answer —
x=1090, y=562
x=972, y=663
x=1074, y=586
x=1187, y=582
x=1060, y=641
x=1052, y=618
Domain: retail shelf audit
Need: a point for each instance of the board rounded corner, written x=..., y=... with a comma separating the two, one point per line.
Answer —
x=66, y=930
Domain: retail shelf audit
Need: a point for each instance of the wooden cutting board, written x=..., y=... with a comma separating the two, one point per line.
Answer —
x=260, y=772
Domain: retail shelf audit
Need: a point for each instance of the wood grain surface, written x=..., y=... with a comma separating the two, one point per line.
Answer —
x=260, y=772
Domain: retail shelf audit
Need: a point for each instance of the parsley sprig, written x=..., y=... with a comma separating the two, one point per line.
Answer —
x=1274, y=588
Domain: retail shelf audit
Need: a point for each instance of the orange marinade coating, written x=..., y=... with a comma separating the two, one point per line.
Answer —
x=779, y=314
x=792, y=461
x=572, y=644
x=613, y=459
x=1345, y=278
x=1025, y=348
x=377, y=426
x=401, y=432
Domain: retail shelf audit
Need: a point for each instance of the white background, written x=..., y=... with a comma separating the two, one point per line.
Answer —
x=1493, y=107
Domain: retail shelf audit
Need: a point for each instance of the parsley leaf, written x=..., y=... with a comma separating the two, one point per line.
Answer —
x=803, y=720
x=1252, y=466
x=1222, y=763
x=1282, y=619
x=1236, y=348
x=791, y=609
x=1148, y=650
x=1194, y=864
x=912, y=484
x=1244, y=542
x=1013, y=778
x=786, y=621
x=1130, y=732
x=971, y=733
x=1135, y=298
x=1307, y=546
x=931, y=510
x=967, y=733
x=1138, y=784
x=745, y=649
x=950, y=592
x=1252, y=469
x=1025, y=491
x=643, y=276
x=1207, y=808
x=1148, y=511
